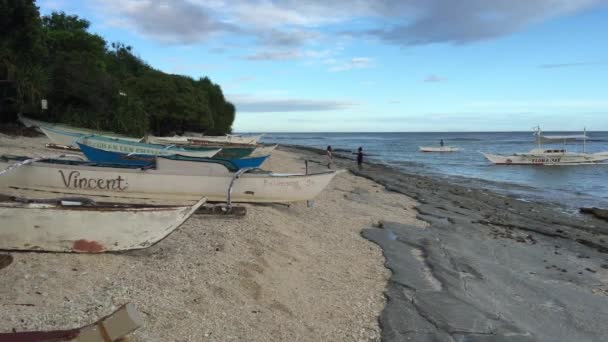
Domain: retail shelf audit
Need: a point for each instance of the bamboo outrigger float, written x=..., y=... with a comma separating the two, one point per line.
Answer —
x=205, y=140
x=84, y=226
x=112, y=328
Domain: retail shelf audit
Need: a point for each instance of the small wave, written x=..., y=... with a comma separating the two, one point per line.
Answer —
x=462, y=139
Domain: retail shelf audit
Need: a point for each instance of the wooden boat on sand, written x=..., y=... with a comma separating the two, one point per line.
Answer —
x=83, y=226
x=112, y=328
x=125, y=146
x=145, y=160
x=205, y=139
x=171, y=179
x=59, y=140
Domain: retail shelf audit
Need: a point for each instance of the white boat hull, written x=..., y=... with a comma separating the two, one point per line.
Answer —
x=438, y=149
x=567, y=158
x=180, y=183
x=56, y=228
x=61, y=136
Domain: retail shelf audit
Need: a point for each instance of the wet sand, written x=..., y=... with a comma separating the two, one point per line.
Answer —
x=488, y=267
x=279, y=274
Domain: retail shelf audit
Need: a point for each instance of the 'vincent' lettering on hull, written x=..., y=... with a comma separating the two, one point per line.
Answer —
x=75, y=181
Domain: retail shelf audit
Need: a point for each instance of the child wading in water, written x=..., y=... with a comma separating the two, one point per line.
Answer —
x=330, y=157
x=360, y=158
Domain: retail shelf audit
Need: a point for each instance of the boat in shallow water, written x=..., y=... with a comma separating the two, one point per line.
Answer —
x=146, y=160
x=83, y=226
x=170, y=179
x=555, y=156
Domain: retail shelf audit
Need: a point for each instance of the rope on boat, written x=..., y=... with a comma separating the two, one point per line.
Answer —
x=32, y=160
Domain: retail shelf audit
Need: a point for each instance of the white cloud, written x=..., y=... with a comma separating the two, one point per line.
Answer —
x=434, y=79
x=294, y=23
x=353, y=63
x=258, y=104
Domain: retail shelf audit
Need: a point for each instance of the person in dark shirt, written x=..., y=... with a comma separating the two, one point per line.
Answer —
x=360, y=157
x=441, y=143
x=330, y=157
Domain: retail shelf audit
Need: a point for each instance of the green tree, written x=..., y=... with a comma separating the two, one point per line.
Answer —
x=90, y=84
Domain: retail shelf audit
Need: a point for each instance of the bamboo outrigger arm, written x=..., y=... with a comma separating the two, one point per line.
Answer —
x=236, y=176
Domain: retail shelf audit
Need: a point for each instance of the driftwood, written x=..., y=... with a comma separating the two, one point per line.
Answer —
x=112, y=328
x=62, y=147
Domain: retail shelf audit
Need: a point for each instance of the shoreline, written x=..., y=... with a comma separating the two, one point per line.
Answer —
x=487, y=266
x=522, y=192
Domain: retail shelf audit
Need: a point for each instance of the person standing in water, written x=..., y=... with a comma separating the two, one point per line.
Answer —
x=360, y=158
x=441, y=143
x=330, y=157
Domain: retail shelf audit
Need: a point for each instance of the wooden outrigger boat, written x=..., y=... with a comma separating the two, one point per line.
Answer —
x=171, y=179
x=542, y=156
x=112, y=328
x=229, y=150
x=109, y=143
x=123, y=145
x=204, y=139
x=83, y=226
x=439, y=149
x=145, y=160
x=67, y=140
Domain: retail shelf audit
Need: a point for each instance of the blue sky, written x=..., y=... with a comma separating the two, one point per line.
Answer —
x=385, y=65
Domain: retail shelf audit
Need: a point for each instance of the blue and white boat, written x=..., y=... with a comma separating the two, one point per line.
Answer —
x=147, y=160
x=123, y=145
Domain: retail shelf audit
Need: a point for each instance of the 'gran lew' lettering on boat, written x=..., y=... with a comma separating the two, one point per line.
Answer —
x=74, y=180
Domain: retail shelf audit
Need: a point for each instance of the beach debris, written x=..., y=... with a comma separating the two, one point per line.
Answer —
x=5, y=260
x=222, y=210
x=114, y=327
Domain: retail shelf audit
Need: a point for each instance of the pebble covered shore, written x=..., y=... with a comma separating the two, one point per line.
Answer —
x=279, y=274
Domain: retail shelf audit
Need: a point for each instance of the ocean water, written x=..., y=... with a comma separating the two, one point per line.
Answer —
x=570, y=186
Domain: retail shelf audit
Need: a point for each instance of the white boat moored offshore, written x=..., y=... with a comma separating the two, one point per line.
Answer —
x=546, y=156
x=439, y=149
x=80, y=225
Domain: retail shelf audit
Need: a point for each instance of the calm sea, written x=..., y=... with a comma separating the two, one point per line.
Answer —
x=571, y=186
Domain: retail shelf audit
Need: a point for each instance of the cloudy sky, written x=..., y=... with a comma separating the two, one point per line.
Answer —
x=378, y=65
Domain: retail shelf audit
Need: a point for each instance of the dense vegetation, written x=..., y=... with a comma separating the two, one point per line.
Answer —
x=91, y=83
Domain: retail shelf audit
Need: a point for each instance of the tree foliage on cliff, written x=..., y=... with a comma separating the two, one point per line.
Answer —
x=91, y=83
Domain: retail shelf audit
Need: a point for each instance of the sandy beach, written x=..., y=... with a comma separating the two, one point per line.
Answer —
x=280, y=273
